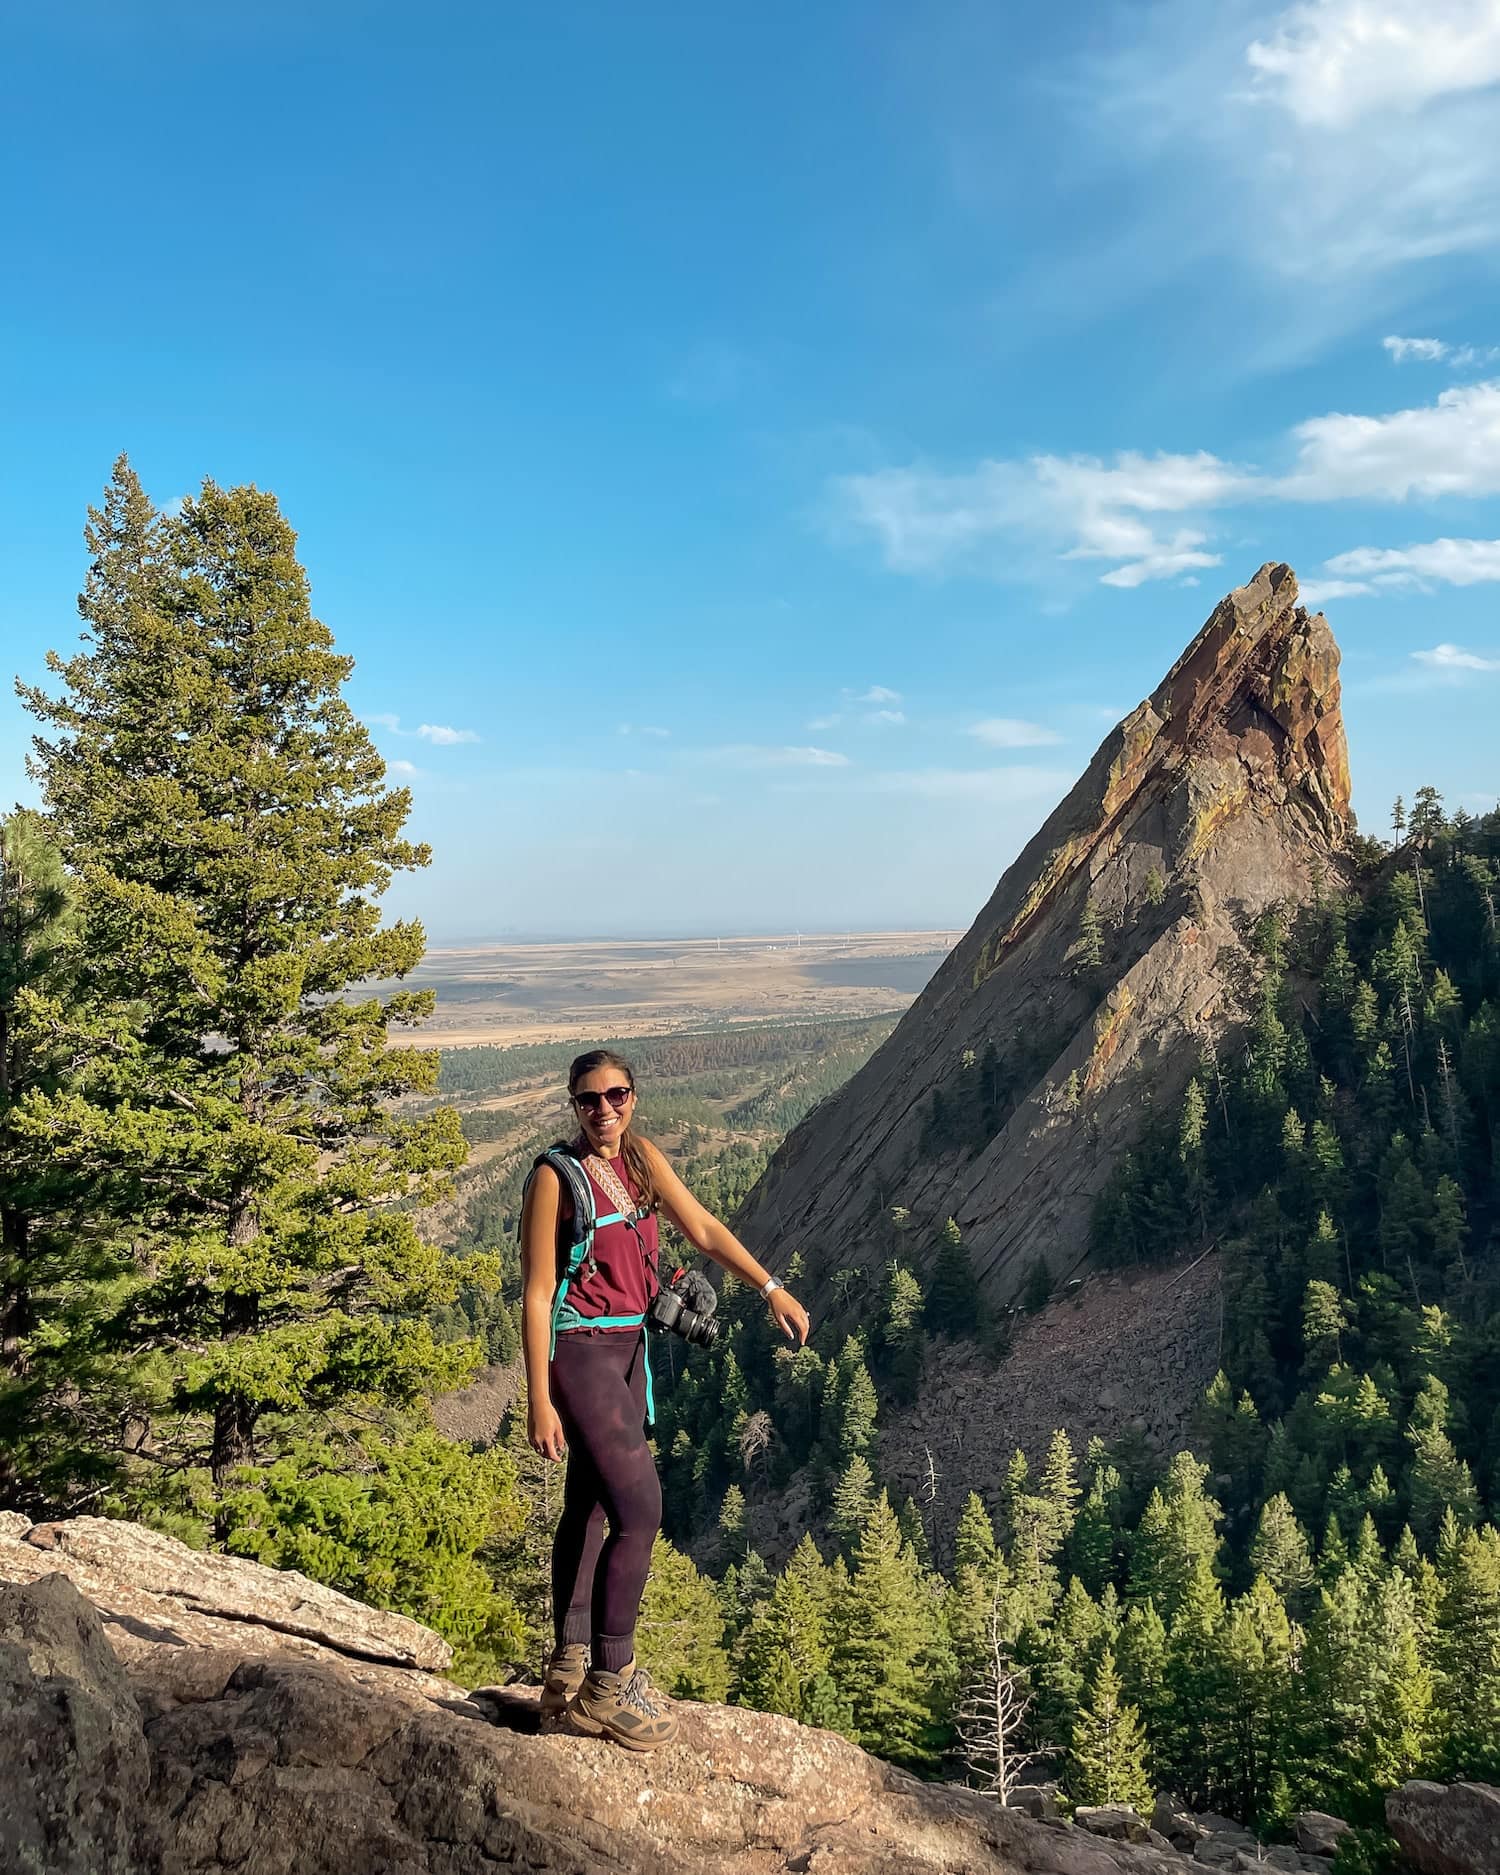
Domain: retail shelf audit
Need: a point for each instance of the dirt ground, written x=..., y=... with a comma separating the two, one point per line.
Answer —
x=514, y=993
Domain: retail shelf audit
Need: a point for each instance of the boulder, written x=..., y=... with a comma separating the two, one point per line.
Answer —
x=1113, y=1820
x=74, y=1769
x=1447, y=1829
x=1317, y=1833
x=1036, y=1800
x=1180, y=1827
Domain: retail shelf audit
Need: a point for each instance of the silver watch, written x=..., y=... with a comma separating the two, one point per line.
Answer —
x=768, y=1285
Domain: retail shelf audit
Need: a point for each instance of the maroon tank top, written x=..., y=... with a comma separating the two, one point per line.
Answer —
x=624, y=1277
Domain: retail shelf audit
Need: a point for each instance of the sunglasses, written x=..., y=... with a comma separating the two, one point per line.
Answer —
x=594, y=1103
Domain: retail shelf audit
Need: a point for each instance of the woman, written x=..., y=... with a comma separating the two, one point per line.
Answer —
x=588, y=1396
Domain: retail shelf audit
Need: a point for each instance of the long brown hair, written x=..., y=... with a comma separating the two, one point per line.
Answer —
x=631, y=1143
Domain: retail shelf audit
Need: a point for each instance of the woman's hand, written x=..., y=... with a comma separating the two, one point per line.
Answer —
x=791, y=1317
x=544, y=1430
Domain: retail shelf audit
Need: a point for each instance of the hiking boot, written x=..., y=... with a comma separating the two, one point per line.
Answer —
x=563, y=1678
x=623, y=1706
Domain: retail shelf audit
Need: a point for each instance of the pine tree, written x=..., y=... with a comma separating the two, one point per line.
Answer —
x=1178, y=1533
x=1256, y=1691
x=785, y=1652
x=852, y=1497
x=954, y=1306
x=227, y=816
x=902, y=1344
x=1192, y=1751
x=680, y=1632
x=1142, y=1654
x=884, y=1629
x=1089, y=950
x=858, y=1405
x=1280, y=1552
x=1468, y=1659
x=63, y=1273
x=1108, y=1758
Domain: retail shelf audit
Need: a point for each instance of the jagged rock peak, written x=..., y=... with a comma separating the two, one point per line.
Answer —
x=1249, y=716
x=1224, y=793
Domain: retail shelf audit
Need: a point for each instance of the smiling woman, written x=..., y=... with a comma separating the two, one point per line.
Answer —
x=589, y=1255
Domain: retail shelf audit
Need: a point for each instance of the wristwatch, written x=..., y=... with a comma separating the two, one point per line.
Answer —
x=768, y=1285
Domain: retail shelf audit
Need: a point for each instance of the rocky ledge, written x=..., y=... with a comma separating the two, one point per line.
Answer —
x=282, y=1745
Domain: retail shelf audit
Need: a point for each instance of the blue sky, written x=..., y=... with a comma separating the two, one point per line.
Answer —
x=753, y=454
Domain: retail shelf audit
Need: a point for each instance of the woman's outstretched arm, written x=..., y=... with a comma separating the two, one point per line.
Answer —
x=544, y=1429
x=715, y=1239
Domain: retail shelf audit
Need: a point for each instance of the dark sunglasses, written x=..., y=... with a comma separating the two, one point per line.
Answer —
x=594, y=1103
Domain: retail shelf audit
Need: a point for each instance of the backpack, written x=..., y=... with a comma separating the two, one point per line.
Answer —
x=579, y=1250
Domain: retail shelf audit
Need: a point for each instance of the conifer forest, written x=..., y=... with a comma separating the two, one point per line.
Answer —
x=222, y=1313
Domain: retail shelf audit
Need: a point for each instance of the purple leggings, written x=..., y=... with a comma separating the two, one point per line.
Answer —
x=599, y=1389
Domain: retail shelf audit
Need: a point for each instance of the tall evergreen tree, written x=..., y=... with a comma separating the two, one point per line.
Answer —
x=1108, y=1757
x=883, y=1630
x=226, y=814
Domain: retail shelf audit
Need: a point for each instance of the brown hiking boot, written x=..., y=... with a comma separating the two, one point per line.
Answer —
x=623, y=1706
x=563, y=1678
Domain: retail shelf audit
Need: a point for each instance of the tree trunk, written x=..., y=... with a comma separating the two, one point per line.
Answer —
x=15, y=1299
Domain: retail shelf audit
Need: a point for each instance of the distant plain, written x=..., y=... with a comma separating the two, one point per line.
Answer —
x=505, y=994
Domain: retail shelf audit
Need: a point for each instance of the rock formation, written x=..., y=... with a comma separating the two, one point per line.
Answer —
x=1447, y=1829
x=135, y=1748
x=1224, y=793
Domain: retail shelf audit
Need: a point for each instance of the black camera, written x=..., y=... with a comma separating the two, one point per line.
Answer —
x=686, y=1307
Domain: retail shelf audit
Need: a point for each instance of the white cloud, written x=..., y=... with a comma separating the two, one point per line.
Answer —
x=644, y=729
x=1429, y=351
x=1317, y=592
x=439, y=734
x=1451, y=562
x=1451, y=447
x=1331, y=62
x=443, y=737
x=886, y=719
x=877, y=693
x=931, y=520
x=1452, y=658
x=992, y=517
x=753, y=755
x=408, y=771
x=825, y=722
x=1010, y=732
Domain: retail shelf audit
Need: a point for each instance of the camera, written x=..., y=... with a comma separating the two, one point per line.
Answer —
x=686, y=1307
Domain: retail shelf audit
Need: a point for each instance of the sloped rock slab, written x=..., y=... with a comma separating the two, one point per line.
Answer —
x=153, y=1591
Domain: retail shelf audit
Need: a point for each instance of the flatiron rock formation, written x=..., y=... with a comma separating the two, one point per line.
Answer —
x=1225, y=793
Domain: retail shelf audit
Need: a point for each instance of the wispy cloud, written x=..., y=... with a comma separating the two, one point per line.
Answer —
x=440, y=735
x=929, y=520
x=877, y=693
x=755, y=755
x=1403, y=350
x=1438, y=351
x=1453, y=658
x=443, y=737
x=1331, y=62
x=645, y=729
x=408, y=771
x=885, y=719
x=1010, y=732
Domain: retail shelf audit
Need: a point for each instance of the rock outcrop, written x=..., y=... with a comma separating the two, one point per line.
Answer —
x=1224, y=793
x=194, y=1759
x=152, y=1592
x=1447, y=1829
